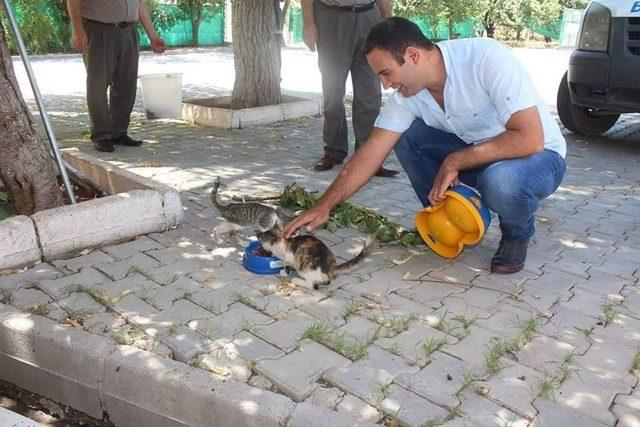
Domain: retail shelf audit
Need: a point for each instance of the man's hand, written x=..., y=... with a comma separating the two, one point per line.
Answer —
x=446, y=177
x=80, y=40
x=310, y=35
x=312, y=218
x=158, y=45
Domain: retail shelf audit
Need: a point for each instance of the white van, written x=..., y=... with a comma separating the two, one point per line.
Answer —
x=603, y=80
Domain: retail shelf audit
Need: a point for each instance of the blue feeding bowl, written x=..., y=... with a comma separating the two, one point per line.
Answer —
x=259, y=264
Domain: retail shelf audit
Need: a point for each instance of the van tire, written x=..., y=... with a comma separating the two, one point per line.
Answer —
x=579, y=119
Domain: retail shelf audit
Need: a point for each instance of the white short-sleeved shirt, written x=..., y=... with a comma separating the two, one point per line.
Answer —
x=485, y=85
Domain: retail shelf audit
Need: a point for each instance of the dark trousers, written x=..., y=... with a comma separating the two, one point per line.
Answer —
x=341, y=38
x=111, y=61
x=511, y=188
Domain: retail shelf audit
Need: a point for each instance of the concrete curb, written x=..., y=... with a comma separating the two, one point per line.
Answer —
x=18, y=242
x=133, y=387
x=137, y=205
x=210, y=112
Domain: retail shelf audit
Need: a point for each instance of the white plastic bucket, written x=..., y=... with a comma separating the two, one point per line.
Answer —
x=162, y=95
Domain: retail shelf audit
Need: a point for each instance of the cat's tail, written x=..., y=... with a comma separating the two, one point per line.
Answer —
x=345, y=267
x=214, y=194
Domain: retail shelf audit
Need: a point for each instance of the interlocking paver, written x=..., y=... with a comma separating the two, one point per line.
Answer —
x=63, y=286
x=515, y=387
x=591, y=395
x=224, y=327
x=416, y=342
x=623, y=329
x=478, y=411
x=251, y=347
x=120, y=269
x=134, y=247
x=473, y=347
x=326, y=397
x=545, y=354
x=569, y=326
x=296, y=373
x=358, y=409
x=439, y=381
x=591, y=304
x=410, y=409
x=78, y=263
x=10, y=283
x=29, y=298
x=554, y=414
x=185, y=343
x=627, y=409
x=366, y=382
x=609, y=360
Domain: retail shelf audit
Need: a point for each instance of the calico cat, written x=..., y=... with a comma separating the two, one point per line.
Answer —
x=241, y=215
x=309, y=256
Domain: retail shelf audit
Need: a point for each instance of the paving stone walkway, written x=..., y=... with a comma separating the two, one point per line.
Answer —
x=409, y=338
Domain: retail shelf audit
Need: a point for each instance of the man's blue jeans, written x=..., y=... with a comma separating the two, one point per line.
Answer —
x=511, y=188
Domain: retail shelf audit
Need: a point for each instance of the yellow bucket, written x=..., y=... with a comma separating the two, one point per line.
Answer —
x=460, y=219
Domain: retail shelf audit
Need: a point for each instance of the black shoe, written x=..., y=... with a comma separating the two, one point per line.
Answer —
x=386, y=173
x=125, y=139
x=326, y=163
x=510, y=256
x=104, y=145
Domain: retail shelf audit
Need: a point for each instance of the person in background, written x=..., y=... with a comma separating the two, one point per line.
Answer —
x=104, y=31
x=338, y=29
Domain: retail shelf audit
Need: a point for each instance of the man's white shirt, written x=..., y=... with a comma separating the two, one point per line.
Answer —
x=485, y=85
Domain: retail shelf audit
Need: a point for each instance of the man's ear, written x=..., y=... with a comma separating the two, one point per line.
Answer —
x=412, y=54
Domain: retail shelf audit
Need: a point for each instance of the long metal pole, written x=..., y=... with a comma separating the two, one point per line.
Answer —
x=41, y=107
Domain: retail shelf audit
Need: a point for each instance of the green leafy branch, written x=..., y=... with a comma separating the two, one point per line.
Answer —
x=347, y=214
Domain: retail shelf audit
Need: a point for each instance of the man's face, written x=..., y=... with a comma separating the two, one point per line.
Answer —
x=392, y=74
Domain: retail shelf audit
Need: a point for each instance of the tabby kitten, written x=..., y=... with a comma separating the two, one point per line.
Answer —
x=309, y=256
x=241, y=215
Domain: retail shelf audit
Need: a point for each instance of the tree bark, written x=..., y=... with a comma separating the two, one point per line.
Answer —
x=197, y=14
x=26, y=169
x=256, y=55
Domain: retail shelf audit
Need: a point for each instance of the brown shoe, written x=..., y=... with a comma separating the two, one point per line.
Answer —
x=327, y=162
x=386, y=173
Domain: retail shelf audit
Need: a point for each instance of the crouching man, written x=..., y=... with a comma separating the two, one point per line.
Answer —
x=463, y=111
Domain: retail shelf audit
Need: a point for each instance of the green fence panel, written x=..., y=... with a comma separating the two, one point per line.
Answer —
x=42, y=27
x=210, y=33
x=460, y=29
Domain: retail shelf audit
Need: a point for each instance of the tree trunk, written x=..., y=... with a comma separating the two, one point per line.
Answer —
x=195, y=28
x=256, y=55
x=26, y=169
x=197, y=13
x=283, y=17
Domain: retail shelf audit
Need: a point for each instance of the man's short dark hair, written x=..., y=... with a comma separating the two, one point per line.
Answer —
x=394, y=35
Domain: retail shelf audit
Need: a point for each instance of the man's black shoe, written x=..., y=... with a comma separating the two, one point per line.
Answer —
x=327, y=162
x=125, y=139
x=510, y=256
x=386, y=173
x=104, y=145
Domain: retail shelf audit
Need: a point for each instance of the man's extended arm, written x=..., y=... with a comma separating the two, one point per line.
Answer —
x=309, y=28
x=80, y=41
x=385, y=8
x=523, y=137
x=356, y=172
x=157, y=44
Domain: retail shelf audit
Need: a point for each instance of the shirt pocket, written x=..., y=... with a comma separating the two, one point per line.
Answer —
x=476, y=123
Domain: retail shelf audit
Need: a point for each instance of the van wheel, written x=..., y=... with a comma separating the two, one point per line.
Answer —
x=580, y=119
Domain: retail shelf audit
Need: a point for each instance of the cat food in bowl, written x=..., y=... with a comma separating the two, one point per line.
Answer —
x=259, y=261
